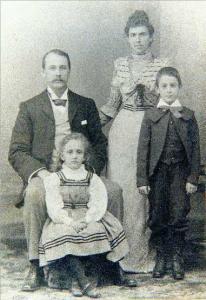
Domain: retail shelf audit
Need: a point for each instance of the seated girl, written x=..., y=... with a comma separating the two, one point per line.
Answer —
x=79, y=224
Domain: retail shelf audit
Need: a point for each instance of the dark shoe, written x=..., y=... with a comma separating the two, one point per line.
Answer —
x=75, y=289
x=129, y=282
x=32, y=280
x=160, y=267
x=125, y=281
x=177, y=268
x=89, y=291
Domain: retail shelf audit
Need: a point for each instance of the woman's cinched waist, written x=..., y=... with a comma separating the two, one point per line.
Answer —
x=135, y=108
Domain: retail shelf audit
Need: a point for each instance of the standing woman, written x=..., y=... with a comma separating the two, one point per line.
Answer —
x=132, y=92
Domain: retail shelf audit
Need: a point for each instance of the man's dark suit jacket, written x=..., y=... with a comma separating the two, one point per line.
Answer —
x=33, y=135
x=152, y=140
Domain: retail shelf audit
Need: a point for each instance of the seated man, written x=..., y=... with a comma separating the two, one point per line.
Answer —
x=41, y=124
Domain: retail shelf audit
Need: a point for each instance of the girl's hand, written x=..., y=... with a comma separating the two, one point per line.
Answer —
x=191, y=188
x=144, y=190
x=79, y=225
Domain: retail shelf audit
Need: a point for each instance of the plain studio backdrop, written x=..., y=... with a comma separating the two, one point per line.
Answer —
x=92, y=32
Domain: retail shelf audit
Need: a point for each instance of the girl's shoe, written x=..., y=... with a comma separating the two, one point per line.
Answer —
x=91, y=292
x=75, y=289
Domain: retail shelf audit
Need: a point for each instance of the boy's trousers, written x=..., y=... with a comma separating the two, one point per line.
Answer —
x=169, y=202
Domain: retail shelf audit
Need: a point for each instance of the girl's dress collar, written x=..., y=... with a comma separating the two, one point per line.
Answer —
x=80, y=173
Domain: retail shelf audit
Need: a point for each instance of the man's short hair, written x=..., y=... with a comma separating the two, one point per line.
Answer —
x=58, y=52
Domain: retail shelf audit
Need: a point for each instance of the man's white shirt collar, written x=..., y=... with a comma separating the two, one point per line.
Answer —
x=53, y=96
x=176, y=103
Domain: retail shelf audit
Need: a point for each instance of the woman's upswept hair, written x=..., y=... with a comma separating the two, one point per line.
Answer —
x=169, y=71
x=139, y=18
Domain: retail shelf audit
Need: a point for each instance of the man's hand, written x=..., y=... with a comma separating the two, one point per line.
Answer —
x=144, y=190
x=43, y=174
x=79, y=225
x=191, y=188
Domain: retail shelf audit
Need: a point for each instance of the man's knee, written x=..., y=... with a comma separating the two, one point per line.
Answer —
x=115, y=198
x=113, y=188
x=35, y=193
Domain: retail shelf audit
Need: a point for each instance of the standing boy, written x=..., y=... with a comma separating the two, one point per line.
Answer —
x=168, y=169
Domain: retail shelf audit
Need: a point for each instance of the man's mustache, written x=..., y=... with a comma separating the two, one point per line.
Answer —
x=57, y=79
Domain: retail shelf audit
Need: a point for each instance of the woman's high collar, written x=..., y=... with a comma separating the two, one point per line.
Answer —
x=148, y=56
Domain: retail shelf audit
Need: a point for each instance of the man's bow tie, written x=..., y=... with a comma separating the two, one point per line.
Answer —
x=59, y=102
x=175, y=110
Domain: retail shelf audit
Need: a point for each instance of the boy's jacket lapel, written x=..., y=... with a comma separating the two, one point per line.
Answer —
x=156, y=114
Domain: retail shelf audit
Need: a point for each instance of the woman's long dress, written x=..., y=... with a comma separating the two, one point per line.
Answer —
x=127, y=105
x=73, y=199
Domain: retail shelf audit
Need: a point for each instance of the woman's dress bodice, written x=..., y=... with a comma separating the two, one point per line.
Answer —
x=132, y=76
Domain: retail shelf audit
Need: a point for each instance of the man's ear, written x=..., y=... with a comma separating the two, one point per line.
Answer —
x=151, y=40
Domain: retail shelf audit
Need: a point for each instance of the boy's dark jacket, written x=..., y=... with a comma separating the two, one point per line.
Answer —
x=152, y=140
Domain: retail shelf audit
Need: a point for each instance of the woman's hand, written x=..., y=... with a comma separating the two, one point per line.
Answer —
x=144, y=190
x=104, y=119
x=79, y=225
x=191, y=188
x=122, y=73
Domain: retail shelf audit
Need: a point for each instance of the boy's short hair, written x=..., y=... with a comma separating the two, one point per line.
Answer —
x=170, y=71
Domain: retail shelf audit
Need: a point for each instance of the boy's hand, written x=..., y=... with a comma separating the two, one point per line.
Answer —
x=79, y=225
x=191, y=188
x=144, y=190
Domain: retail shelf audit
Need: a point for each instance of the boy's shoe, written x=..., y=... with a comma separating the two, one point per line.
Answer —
x=160, y=267
x=177, y=268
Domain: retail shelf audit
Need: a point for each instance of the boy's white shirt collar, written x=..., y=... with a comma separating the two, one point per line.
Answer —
x=80, y=173
x=53, y=96
x=176, y=103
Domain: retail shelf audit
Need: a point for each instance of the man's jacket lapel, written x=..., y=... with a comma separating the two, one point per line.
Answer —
x=46, y=106
x=73, y=105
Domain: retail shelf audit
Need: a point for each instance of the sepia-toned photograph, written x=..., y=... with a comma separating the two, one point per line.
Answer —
x=103, y=150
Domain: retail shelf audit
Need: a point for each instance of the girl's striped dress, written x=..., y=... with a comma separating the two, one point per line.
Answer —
x=73, y=195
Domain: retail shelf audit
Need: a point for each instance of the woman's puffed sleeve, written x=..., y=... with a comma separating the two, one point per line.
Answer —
x=150, y=73
x=115, y=99
x=97, y=204
x=54, y=201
